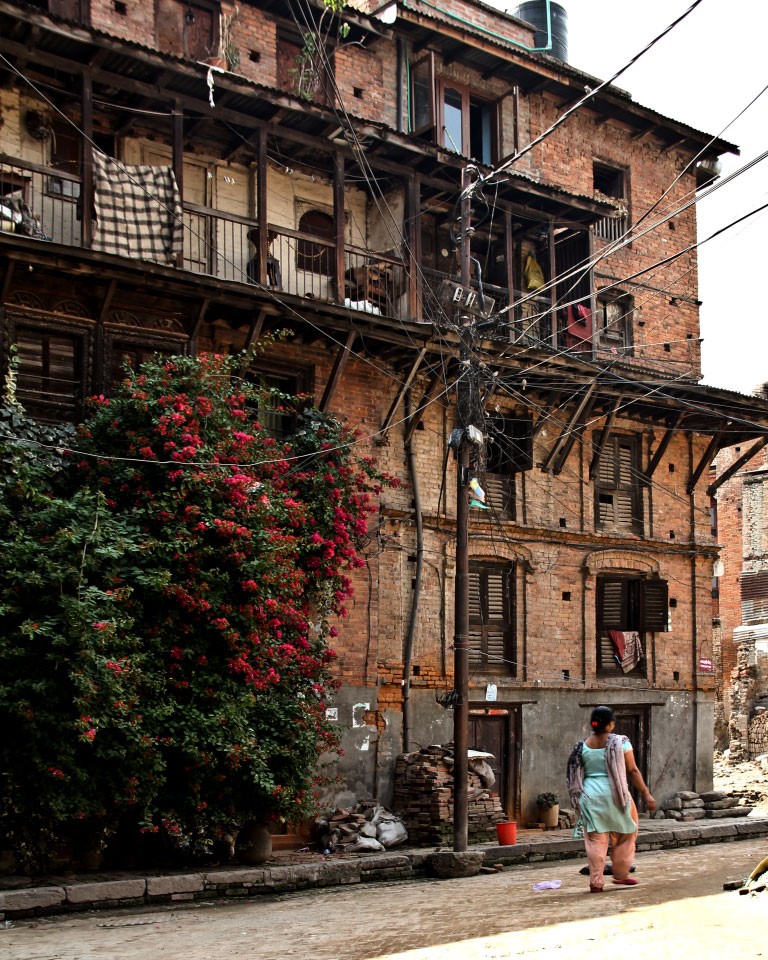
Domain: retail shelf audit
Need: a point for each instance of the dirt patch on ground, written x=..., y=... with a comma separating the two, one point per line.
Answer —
x=747, y=780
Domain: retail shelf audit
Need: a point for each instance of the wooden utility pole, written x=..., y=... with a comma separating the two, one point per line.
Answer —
x=465, y=389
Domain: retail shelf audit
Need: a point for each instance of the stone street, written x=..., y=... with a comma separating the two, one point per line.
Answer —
x=678, y=908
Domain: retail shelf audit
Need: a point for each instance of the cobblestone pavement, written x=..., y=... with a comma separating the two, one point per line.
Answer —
x=678, y=909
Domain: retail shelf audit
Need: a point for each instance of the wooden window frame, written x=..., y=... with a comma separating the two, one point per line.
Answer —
x=492, y=639
x=638, y=603
x=612, y=493
x=624, y=341
x=299, y=380
x=319, y=258
x=509, y=451
x=427, y=115
x=611, y=228
x=41, y=404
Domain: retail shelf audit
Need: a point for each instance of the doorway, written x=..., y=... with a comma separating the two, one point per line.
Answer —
x=496, y=730
x=635, y=722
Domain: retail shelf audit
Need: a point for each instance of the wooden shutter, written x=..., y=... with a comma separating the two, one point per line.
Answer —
x=654, y=605
x=496, y=617
x=490, y=618
x=500, y=495
x=611, y=604
x=475, y=620
x=617, y=485
x=423, y=97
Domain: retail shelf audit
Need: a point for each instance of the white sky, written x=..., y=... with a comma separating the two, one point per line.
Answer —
x=702, y=74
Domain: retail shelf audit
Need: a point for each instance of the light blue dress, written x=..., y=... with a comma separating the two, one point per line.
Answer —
x=599, y=813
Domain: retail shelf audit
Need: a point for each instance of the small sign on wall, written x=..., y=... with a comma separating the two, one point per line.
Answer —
x=705, y=665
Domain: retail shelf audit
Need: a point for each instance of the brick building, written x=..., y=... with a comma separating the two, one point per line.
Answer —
x=740, y=606
x=188, y=175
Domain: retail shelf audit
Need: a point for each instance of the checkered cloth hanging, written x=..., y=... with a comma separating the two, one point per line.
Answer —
x=138, y=210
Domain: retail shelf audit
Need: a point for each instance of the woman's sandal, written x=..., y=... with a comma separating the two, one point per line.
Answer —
x=595, y=888
x=629, y=882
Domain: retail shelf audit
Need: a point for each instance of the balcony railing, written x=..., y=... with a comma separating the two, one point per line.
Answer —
x=225, y=246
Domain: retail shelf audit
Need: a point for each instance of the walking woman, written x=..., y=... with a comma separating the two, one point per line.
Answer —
x=599, y=769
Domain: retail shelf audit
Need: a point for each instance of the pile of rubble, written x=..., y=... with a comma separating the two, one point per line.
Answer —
x=368, y=827
x=687, y=805
x=424, y=796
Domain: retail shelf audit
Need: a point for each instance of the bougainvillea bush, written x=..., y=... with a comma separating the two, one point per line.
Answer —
x=170, y=580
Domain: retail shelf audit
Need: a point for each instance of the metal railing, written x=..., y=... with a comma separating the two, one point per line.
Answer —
x=39, y=202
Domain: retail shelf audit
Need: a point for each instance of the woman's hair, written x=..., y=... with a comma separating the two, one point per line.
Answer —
x=601, y=717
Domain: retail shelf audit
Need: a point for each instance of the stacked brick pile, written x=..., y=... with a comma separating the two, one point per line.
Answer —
x=424, y=799
x=687, y=805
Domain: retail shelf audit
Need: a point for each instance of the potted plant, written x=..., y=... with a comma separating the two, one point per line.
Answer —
x=229, y=49
x=549, y=809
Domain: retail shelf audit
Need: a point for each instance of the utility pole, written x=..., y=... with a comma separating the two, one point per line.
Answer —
x=464, y=405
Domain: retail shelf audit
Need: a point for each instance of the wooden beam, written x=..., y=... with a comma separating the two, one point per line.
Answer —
x=262, y=243
x=706, y=460
x=564, y=438
x=401, y=392
x=7, y=279
x=736, y=466
x=661, y=449
x=257, y=327
x=435, y=381
x=178, y=161
x=338, y=217
x=108, y=297
x=86, y=188
x=574, y=432
x=342, y=355
x=201, y=312
x=599, y=446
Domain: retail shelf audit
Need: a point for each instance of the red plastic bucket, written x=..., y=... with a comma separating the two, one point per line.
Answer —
x=507, y=833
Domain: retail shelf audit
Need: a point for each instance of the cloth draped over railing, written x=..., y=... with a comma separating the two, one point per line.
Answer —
x=138, y=211
x=628, y=647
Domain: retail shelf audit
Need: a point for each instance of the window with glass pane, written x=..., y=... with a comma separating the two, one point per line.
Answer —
x=491, y=618
x=453, y=120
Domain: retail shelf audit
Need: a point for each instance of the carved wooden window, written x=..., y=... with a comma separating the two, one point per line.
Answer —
x=49, y=373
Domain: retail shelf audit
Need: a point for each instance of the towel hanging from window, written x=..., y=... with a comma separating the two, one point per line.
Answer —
x=628, y=647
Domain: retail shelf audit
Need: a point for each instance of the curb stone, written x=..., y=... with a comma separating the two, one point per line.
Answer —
x=90, y=893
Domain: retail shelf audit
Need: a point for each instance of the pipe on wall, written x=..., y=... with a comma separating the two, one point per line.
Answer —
x=411, y=633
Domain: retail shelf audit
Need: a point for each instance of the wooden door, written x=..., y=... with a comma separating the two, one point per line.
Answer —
x=495, y=731
x=634, y=722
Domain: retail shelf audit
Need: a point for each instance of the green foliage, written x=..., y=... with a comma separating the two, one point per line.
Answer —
x=546, y=800
x=165, y=610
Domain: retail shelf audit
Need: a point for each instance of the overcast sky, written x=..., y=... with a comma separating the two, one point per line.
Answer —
x=703, y=74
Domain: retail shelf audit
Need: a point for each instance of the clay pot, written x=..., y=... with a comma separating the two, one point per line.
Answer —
x=550, y=817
